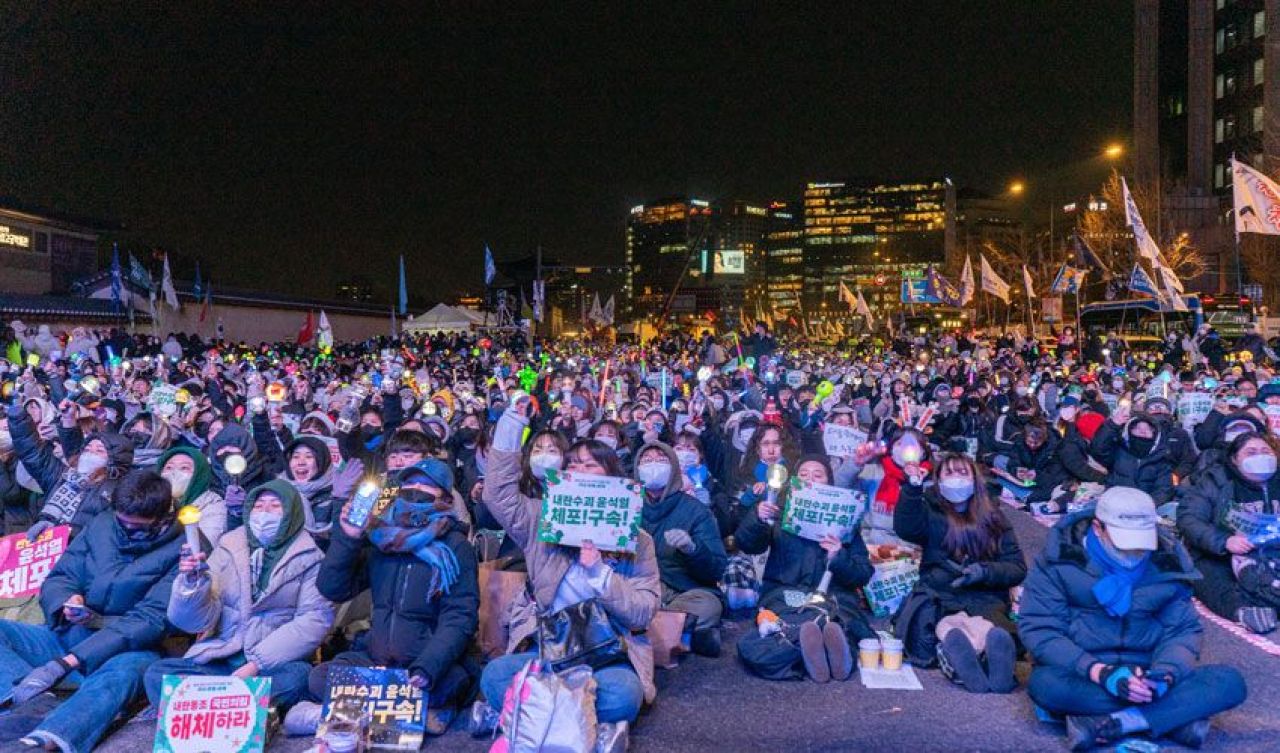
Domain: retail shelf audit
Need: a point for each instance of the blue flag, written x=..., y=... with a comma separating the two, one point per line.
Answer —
x=198, y=288
x=490, y=269
x=1141, y=283
x=404, y=292
x=117, y=278
x=1085, y=256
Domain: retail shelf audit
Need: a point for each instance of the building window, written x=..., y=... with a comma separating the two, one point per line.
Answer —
x=1217, y=131
x=1217, y=176
x=1259, y=71
x=1219, y=85
x=1218, y=42
x=1259, y=24
x=1257, y=118
x=1229, y=127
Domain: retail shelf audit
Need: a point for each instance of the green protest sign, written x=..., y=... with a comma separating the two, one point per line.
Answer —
x=578, y=507
x=817, y=510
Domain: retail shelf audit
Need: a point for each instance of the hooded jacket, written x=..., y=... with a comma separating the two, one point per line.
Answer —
x=213, y=510
x=288, y=620
x=1062, y=623
x=675, y=510
x=1205, y=499
x=1153, y=472
x=319, y=504
x=1044, y=461
x=1073, y=451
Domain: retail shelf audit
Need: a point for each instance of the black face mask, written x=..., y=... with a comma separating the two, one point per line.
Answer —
x=1140, y=446
x=416, y=496
x=368, y=433
x=143, y=534
x=467, y=435
x=139, y=438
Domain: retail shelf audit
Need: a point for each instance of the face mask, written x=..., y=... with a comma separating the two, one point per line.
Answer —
x=265, y=526
x=1128, y=559
x=1117, y=385
x=1259, y=466
x=1067, y=414
x=956, y=489
x=143, y=534
x=654, y=476
x=179, y=482
x=688, y=458
x=718, y=403
x=1020, y=390
x=542, y=462
x=6, y=440
x=742, y=438
x=467, y=435
x=88, y=463
x=139, y=438
x=1141, y=445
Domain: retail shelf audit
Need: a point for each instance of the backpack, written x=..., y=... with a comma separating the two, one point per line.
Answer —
x=916, y=624
x=549, y=712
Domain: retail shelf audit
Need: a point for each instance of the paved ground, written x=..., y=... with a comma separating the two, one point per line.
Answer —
x=707, y=705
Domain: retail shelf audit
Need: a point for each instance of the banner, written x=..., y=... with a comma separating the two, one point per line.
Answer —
x=1257, y=200
x=991, y=282
x=1193, y=408
x=817, y=510
x=578, y=507
x=1051, y=309
x=212, y=715
x=1146, y=244
x=842, y=441
x=967, y=286
x=375, y=705
x=25, y=564
x=890, y=584
x=163, y=400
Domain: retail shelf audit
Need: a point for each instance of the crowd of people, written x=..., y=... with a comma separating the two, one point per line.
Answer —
x=1155, y=497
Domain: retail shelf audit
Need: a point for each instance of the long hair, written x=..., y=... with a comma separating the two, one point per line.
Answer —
x=752, y=455
x=601, y=453
x=530, y=485
x=975, y=533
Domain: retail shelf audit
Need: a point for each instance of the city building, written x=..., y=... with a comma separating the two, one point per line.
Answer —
x=45, y=252
x=356, y=289
x=784, y=258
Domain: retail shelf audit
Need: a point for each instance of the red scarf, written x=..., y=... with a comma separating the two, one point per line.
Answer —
x=891, y=484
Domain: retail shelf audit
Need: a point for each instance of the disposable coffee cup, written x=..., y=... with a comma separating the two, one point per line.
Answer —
x=869, y=653
x=891, y=653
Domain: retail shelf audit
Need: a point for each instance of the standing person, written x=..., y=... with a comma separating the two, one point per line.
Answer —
x=1106, y=612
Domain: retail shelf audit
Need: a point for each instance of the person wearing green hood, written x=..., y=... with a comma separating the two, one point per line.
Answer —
x=255, y=603
x=189, y=475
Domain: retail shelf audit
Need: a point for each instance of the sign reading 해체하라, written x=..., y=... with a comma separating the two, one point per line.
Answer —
x=212, y=715
x=578, y=507
x=817, y=510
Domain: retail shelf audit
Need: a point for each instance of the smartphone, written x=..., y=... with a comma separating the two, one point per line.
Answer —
x=74, y=610
x=362, y=503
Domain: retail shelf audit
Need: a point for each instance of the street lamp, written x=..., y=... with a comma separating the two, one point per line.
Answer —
x=1017, y=188
x=1114, y=151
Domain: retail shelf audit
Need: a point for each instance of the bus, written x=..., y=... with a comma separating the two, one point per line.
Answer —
x=1141, y=321
x=1229, y=314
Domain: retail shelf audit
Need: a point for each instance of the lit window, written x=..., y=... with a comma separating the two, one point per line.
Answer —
x=1217, y=176
x=1217, y=131
x=1259, y=24
x=1218, y=86
x=1259, y=71
x=1218, y=42
x=1257, y=118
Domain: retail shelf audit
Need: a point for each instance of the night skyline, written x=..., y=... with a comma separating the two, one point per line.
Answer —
x=287, y=143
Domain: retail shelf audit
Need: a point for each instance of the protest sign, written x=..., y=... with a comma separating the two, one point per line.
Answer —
x=578, y=507
x=1259, y=528
x=890, y=584
x=163, y=400
x=817, y=510
x=372, y=708
x=795, y=378
x=1158, y=388
x=1193, y=408
x=842, y=441
x=212, y=715
x=1273, y=418
x=24, y=564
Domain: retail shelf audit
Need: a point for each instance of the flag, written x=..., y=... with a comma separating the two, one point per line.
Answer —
x=862, y=309
x=608, y=312
x=991, y=282
x=1141, y=283
x=308, y=330
x=117, y=279
x=967, y=286
x=208, y=301
x=1171, y=289
x=1027, y=283
x=597, y=314
x=1147, y=247
x=404, y=292
x=324, y=333
x=940, y=287
x=490, y=269
x=847, y=297
x=1085, y=256
x=539, y=298
x=139, y=275
x=166, y=286
x=1068, y=280
x=1257, y=200
x=1167, y=277
x=197, y=288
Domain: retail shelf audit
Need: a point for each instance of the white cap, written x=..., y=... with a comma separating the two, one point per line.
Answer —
x=1130, y=518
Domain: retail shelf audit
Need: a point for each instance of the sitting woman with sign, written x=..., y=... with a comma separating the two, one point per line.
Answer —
x=809, y=610
x=1229, y=517
x=255, y=606
x=959, y=609
x=615, y=592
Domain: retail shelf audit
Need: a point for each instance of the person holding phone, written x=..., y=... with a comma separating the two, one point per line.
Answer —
x=1135, y=452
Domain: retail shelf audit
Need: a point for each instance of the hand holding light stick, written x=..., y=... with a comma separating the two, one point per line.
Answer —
x=775, y=478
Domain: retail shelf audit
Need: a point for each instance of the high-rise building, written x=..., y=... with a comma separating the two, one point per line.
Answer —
x=738, y=267
x=784, y=258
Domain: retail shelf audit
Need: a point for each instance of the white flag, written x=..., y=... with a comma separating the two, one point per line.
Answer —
x=597, y=314
x=1170, y=289
x=1147, y=247
x=608, y=312
x=166, y=286
x=847, y=297
x=967, y=286
x=1027, y=283
x=991, y=282
x=1257, y=200
x=862, y=309
x=324, y=332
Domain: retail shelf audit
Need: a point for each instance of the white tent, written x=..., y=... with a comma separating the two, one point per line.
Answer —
x=441, y=318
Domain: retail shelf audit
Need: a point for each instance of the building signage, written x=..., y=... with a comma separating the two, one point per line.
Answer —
x=14, y=238
x=730, y=263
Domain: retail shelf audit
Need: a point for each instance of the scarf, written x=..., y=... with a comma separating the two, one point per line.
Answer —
x=201, y=475
x=310, y=490
x=891, y=485
x=263, y=559
x=417, y=528
x=1114, y=590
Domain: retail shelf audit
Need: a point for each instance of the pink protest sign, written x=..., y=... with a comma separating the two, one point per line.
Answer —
x=25, y=564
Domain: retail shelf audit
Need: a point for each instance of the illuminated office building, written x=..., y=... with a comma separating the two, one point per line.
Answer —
x=784, y=258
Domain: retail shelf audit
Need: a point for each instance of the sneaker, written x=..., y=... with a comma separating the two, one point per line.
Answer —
x=438, y=720
x=960, y=662
x=482, y=720
x=1190, y=735
x=814, y=653
x=1088, y=732
x=613, y=737
x=706, y=642
x=303, y=719
x=839, y=657
x=1001, y=657
x=1260, y=620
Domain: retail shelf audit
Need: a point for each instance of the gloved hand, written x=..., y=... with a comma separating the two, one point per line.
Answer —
x=1159, y=682
x=234, y=497
x=1260, y=620
x=39, y=680
x=974, y=572
x=345, y=480
x=39, y=527
x=1116, y=679
x=680, y=540
x=510, y=429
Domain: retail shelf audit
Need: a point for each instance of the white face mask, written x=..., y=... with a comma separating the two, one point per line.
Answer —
x=1259, y=466
x=179, y=482
x=88, y=463
x=265, y=526
x=540, y=463
x=688, y=458
x=956, y=489
x=608, y=440
x=654, y=476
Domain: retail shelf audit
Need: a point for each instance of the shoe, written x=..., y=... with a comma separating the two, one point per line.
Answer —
x=482, y=720
x=303, y=719
x=960, y=662
x=1260, y=620
x=814, y=653
x=1045, y=716
x=839, y=657
x=1002, y=655
x=439, y=720
x=22, y=720
x=706, y=642
x=1088, y=732
x=1190, y=735
x=613, y=737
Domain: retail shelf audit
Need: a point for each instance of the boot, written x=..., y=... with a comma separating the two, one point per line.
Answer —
x=814, y=653
x=960, y=662
x=1001, y=657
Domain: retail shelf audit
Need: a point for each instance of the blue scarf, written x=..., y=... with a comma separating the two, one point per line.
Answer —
x=1114, y=590
x=416, y=528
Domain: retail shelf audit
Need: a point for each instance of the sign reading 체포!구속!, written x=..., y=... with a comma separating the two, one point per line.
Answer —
x=578, y=507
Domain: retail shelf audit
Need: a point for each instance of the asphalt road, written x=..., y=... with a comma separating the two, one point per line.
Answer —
x=715, y=705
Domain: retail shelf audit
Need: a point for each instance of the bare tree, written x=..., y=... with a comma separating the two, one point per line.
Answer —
x=1109, y=236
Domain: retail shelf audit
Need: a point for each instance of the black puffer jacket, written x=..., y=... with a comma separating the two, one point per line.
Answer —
x=1203, y=504
x=676, y=510
x=1073, y=451
x=1044, y=461
x=1152, y=472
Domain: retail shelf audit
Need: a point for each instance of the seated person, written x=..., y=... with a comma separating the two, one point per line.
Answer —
x=1106, y=613
x=255, y=606
x=1135, y=453
x=189, y=474
x=105, y=604
x=691, y=556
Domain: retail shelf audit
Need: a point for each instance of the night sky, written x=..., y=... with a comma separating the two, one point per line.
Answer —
x=289, y=149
